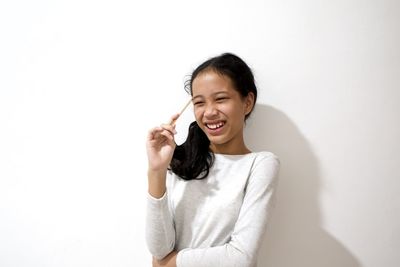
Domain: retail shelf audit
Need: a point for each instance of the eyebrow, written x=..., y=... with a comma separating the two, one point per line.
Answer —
x=198, y=96
x=216, y=93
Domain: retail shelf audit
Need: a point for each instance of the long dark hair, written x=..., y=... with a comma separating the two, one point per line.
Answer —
x=193, y=159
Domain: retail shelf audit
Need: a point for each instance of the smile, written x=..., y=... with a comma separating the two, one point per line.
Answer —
x=214, y=126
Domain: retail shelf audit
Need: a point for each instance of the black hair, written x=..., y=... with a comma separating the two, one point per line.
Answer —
x=193, y=159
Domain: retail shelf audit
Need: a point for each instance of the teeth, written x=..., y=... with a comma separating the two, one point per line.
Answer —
x=215, y=126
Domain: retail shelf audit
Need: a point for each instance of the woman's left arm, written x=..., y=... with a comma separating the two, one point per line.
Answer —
x=168, y=261
x=249, y=229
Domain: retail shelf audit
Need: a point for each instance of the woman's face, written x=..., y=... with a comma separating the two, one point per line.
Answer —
x=220, y=112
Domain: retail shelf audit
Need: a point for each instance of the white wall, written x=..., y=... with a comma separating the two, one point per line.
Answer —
x=81, y=82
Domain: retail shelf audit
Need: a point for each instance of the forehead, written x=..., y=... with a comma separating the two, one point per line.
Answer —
x=210, y=82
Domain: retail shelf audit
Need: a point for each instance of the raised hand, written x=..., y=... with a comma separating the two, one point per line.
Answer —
x=160, y=145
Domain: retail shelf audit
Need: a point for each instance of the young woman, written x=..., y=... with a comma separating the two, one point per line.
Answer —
x=210, y=198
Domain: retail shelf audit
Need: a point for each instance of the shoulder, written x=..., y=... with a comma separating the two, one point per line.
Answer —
x=266, y=156
x=265, y=167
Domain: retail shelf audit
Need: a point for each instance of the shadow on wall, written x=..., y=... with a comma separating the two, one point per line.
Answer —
x=294, y=236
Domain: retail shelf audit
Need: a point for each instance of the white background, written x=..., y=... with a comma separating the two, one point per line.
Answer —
x=81, y=82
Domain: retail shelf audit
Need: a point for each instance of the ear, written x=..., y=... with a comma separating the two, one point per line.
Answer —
x=248, y=103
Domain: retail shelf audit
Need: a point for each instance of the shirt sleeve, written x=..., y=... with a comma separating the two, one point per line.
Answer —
x=160, y=230
x=247, y=236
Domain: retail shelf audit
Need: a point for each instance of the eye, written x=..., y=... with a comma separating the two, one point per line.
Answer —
x=221, y=99
x=198, y=103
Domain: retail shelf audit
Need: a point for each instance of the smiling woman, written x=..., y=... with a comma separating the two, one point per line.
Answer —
x=210, y=198
x=221, y=84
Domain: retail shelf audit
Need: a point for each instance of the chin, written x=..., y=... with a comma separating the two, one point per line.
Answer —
x=217, y=140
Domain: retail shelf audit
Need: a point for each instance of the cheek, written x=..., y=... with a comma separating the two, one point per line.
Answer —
x=230, y=110
x=236, y=113
x=198, y=113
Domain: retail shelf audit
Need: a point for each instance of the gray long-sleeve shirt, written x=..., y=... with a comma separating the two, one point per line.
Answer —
x=218, y=221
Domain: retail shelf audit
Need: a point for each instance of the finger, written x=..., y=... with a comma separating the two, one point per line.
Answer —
x=160, y=137
x=154, y=132
x=168, y=127
x=168, y=135
x=156, y=262
x=155, y=129
x=173, y=119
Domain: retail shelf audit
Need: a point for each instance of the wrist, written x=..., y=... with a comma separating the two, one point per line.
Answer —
x=157, y=173
x=157, y=182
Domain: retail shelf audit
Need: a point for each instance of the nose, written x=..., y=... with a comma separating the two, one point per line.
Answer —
x=210, y=111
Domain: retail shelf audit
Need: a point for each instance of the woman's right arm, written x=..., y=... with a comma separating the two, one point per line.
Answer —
x=160, y=147
x=160, y=231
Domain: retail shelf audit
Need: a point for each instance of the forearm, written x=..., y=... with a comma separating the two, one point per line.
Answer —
x=227, y=255
x=160, y=231
x=156, y=183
